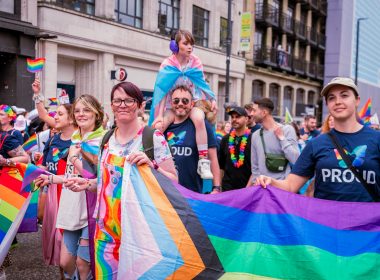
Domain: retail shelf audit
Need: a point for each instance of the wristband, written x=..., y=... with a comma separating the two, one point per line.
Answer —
x=217, y=188
x=37, y=98
x=155, y=165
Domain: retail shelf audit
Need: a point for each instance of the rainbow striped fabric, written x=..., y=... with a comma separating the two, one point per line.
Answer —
x=35, y=65
x=170, y=71
x=365, y=112
x=15, y=187
x=90, y=144
x=8, y=110
x=252, y=233
x=30, y=143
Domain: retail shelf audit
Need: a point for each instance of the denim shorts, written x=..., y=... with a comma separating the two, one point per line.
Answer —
x=72, y=242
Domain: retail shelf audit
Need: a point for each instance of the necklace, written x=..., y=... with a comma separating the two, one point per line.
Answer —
x=231, y=147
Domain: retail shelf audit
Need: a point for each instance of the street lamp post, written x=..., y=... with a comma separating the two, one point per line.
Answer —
x=357, y=48
x=228, y=54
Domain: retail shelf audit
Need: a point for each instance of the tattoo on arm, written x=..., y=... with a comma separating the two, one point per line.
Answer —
x=19, y=151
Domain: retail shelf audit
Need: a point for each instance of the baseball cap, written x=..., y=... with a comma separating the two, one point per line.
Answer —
x=238, y=110
x=20, y=123
x=342, y=81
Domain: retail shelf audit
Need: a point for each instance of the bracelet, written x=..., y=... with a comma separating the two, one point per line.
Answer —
x=217, y=188
x=37, y=98
x=155, y=165
x=8, y=162
x=50, y=179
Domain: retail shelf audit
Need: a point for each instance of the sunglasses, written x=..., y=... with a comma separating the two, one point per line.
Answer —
x=184, y=101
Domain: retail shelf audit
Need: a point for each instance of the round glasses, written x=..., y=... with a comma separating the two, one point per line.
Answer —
x=184, y=101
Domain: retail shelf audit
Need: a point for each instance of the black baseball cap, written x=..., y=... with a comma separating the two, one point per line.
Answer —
x=238, y=110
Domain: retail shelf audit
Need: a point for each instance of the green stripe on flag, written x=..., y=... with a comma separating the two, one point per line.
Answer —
x=293, y=262
x=8, y=211
x=5, y=224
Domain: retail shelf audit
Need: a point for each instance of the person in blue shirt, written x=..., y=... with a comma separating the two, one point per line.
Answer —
x=7, y=120
x=181, y=137
x=309, y=131
x=333, y=179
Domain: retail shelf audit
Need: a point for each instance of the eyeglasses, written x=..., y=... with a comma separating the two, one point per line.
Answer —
x=127, y=102
x=184, y=101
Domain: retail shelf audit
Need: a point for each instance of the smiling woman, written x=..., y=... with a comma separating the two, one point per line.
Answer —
x=352, y=175
x=122, y=150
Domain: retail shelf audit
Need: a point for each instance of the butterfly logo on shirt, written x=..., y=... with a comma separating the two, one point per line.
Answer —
x=57, y=154
x=176, y=139
x=358, y=153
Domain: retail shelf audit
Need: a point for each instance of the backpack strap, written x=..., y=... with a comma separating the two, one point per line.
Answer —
x=105, y=139
x=147, y=141
x=3, y=140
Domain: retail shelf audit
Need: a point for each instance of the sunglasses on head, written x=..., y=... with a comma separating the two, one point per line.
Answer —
x=184, y=101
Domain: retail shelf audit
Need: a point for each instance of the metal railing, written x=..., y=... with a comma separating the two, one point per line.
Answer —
x=300, y=29
x=267, y=13
x=287, y=23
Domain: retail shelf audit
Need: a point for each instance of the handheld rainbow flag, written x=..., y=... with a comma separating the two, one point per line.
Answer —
x=53, y=101
x=251, y=233
x=30, y=143
x=35, y=65
x=288, y=116
x=365, y=112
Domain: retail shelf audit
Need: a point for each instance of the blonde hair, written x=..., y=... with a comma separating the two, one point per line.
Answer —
x=94, y=105
x=205, y=106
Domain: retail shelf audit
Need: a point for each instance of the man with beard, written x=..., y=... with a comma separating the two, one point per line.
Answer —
x=274, y=146
x=181, y=137
x=235, y=152
x=309, y=130
x=251, y=124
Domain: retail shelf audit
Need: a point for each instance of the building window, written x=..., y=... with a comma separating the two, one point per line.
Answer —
x=129, y=12
x=83, y=6
x=168, y=16
x=7, y=6
x=311, y=97
x=200, y=26
x=274, y=93
x=299, y=96
x=288, y=94
x=223, y=32
x=257, y=90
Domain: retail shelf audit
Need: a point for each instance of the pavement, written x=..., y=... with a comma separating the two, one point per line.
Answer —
x=26, y=260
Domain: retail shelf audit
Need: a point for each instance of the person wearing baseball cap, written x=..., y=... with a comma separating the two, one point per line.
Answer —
x=235, y=151
x=355, y=176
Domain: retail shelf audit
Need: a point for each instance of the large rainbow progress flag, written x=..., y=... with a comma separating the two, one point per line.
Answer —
x=170, y=232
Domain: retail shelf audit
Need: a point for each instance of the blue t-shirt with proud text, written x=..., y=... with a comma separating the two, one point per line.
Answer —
x=181, y=138
x=54, y=150
x=333, y=179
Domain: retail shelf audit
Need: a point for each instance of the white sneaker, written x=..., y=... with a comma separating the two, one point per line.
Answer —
x=204, y=169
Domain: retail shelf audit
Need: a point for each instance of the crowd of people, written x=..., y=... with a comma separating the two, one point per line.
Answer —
x=89, y=160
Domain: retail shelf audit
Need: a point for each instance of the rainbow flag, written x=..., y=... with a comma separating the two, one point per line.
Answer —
x=30, y=143
x=35, y=65
x=251, y=233
x=15, y=186
x=219, y=134
x=365, y=112
x=53, y=101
